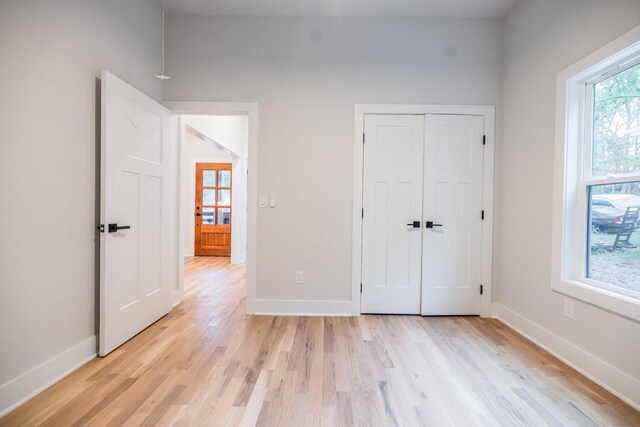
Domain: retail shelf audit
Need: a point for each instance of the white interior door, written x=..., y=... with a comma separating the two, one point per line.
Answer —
x=135, y=288
x=392, y=200
x=453, y=203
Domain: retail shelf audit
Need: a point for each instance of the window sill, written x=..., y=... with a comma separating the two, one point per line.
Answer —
x=602, y=298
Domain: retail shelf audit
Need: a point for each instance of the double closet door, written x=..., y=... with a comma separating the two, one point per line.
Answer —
x=422, y=218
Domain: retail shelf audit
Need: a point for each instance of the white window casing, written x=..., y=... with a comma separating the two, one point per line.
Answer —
x=573, y=176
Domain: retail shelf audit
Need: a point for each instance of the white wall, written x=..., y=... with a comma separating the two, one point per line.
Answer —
x=307, y=74
x=542, y=38
x=51, y=52
x=229, y=131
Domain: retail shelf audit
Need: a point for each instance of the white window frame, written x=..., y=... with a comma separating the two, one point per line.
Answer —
x=573, y=176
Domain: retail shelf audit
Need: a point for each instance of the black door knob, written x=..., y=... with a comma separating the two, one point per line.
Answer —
x=114, y=228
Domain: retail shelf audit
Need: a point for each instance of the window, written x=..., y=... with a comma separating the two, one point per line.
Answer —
x=216, y=196
x=597, y=207
x=612, y=181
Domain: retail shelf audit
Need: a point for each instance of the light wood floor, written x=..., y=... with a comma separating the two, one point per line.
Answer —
x=206, y=363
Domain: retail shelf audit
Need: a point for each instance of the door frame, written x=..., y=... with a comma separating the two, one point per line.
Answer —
x=488, y=112
x=249, y=109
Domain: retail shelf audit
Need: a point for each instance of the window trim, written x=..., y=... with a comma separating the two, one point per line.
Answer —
x=573, y=175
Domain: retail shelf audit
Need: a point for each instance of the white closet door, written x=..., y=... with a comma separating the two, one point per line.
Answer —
x=453, y=203
x=392, y=200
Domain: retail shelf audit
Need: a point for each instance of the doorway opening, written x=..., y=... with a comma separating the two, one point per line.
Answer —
x=148, y=156
x=213, y=185
x=220, y=133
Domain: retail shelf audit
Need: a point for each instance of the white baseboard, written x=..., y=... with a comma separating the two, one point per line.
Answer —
x=272, y=307
x=609, y=377
x=22, y=388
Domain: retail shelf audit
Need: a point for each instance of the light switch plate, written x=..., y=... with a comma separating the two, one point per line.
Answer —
x=299, y=277
x=263, y=201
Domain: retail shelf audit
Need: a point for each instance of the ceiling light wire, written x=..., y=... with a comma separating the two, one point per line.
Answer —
x=163, y=76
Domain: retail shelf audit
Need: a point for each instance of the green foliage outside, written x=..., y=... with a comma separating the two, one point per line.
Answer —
x=616, y=138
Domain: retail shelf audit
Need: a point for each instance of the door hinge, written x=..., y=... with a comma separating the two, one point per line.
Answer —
x=484, y=139
x=360, y=287
x=481, y=289
x=101, y=228
x=482, y=216
x=363, y=138
x=362, y=212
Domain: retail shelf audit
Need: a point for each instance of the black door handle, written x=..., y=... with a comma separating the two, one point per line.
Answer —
x=197, y=214
x=113, y=228
x=414, y=224
x=430, y=224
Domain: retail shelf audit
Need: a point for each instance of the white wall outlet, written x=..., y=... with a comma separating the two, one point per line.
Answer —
x=272, y=200
x=263, y=201
x=568, y=308
x=299, y=277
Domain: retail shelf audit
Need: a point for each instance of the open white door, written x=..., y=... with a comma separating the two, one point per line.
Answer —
x=135, y=246
x=452, y=238
x=391, y=224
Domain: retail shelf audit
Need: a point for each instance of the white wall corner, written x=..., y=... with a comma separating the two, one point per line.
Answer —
x=493, y=310
x=25, y=386
x=609, y=377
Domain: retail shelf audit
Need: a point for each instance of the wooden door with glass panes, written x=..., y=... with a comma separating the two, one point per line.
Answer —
x=213, y=209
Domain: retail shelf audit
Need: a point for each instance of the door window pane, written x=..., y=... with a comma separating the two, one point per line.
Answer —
x=208, y=197
x=208, y=216
x=614, y=235
x=224, y=197
x=209, y=178
x=616, y=124
x=224, y=178
x=224, y=216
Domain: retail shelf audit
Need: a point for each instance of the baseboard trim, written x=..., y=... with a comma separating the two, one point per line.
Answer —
x=602, y=373
x=25, y=386
x=272, y=307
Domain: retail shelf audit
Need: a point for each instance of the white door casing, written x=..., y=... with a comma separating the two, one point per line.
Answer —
x=452, y=253
x=392, y=198
x=135, y=263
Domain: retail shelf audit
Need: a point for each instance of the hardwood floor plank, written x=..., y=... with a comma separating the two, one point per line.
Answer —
x=207, y=363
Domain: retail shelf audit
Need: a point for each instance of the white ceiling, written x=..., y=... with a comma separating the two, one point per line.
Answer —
x=368, y=8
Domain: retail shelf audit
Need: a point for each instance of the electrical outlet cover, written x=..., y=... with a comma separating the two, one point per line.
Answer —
x=569, y=308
